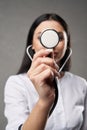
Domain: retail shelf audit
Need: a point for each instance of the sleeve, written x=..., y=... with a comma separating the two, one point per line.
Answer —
x=84, y=125
x=20, y=127
x=16, y=109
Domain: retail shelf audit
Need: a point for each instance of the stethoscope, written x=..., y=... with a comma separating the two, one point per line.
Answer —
x=50, y=38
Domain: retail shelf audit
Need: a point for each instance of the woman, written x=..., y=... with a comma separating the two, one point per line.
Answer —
x=29, y=95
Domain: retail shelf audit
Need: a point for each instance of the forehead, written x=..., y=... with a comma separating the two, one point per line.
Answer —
x=51, y=24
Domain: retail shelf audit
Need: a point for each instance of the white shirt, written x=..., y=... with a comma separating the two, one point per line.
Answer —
x=21, y=96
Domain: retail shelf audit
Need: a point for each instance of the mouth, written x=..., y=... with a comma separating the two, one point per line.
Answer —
x=57, y=57
x=56, y=54
x=53, y=55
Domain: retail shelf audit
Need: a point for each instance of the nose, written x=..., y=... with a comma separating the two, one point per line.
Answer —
x=51, y=55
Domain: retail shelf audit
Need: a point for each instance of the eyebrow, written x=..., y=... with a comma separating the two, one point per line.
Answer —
x=57, y=32
x=39, y=33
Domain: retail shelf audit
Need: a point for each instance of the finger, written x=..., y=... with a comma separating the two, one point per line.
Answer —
x=50, y=62
x=42, y=53
x=42, y=68
x=38, y=69
x=49, y=73
x=45, y=60
x=46, y=74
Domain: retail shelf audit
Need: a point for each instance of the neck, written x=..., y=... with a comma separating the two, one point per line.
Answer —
x=61, y=74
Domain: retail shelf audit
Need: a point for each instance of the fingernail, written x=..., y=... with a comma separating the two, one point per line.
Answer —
x=57, y=67
x=58, y=74
x=49, y=50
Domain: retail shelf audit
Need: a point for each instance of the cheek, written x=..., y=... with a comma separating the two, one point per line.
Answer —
x=36, y=45
x=61, y=49
x=64, y=47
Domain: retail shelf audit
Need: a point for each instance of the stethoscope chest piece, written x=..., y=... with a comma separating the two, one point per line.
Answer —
x=49, y=38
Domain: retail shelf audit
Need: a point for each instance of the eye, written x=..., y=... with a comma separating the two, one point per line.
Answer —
x=38, y=37
x=61, y=37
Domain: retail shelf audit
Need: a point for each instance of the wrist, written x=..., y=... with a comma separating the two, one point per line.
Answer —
x=45, y=105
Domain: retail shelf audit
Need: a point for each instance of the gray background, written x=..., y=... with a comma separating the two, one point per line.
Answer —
x=16, y=16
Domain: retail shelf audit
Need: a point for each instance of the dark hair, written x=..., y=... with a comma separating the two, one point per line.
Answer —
x=26, y=62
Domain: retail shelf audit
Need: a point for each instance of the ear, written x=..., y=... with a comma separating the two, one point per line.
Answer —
x=33, y=47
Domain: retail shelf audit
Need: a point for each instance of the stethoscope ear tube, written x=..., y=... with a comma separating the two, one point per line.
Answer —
x=30, y=52
x=54, y=81
x=56, y=97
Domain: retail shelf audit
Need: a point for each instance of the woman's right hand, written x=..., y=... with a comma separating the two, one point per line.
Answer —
x=42, y=72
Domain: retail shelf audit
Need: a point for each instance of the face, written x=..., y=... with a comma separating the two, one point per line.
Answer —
x=60, y=49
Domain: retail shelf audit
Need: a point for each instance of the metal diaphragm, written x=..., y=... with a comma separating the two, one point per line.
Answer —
x=49, y=38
